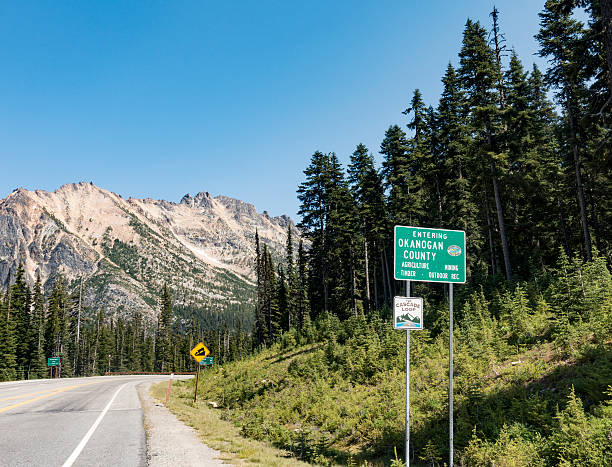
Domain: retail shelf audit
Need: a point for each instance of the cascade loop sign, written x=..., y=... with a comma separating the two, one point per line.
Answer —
x=407, y=313
x=429, y=255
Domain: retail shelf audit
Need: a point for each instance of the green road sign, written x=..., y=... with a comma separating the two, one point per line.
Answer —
x=206, y=361
x=429, y=255
x=53, y=361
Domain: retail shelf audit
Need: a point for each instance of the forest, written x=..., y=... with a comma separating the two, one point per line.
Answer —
x=526, y=177
x=90, y=342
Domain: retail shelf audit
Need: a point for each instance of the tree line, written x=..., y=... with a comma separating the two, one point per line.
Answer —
x=525, y=177
x=34, y=328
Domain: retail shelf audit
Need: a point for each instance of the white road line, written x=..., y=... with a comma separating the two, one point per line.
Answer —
x=83, y=442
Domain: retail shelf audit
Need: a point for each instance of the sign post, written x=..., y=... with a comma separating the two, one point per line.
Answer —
x=52, y=362
x=450, y=374
x=430, y=255
x=199, y=353
x=168, y=391
x=195, y=393
x=407, y=315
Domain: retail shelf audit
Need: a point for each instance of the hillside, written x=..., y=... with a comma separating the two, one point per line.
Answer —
x=528, y=384
x=124, y=250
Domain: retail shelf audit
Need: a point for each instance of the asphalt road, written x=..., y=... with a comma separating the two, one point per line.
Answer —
x=78, y=421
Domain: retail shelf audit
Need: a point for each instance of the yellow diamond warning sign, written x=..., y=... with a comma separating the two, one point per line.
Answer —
x=199, y=352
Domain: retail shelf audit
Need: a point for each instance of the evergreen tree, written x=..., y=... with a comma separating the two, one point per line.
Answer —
x=20, y=313
x=418, y=168
x=270, y=300
x=342, y=240
x=163, y=344
x=312, y=195
x=479, y=78
x=302, y=304
x=561, y=40
x=37, y=349
x=7, y=340
x=369, y=198
x=292, y=282
x=282, y=299
x=395, y=168
x=57, y=326
x=260, y=323
x=459, y=206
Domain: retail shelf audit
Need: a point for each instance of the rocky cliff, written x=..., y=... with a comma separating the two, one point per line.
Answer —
x=124, y=250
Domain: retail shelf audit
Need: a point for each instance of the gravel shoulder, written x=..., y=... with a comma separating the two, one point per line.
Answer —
x=169, y=441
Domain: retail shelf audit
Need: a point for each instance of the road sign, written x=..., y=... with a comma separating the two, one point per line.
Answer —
x=407, y=313
x=199, y=352
x=53, y=361
x=429, y=255
x=206, y=361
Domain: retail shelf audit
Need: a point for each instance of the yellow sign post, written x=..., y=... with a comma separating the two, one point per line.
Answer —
x=199, y=352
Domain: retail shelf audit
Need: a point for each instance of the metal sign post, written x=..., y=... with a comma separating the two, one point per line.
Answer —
x=195, y=393
x=168, y=391
x=407, y=316
x=450, y=375
x=407, y=386
x=430, y=255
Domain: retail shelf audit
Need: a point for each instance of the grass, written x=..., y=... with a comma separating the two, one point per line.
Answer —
x=217, y=433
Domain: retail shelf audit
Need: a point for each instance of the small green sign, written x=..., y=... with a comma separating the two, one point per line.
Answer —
x=206, y=361
x=53, y=361
x=429, y=255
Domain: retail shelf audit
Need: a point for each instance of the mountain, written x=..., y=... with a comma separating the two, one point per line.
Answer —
x=124, y=250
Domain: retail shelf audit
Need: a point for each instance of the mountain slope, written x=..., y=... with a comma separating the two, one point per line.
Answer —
x=126, y=249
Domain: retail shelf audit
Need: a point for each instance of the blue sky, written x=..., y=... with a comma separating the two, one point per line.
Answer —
x=158, y=99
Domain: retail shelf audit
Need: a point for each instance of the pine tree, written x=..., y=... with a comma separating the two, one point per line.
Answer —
x=282, y=299
x=561, y=40
x=369, y=198
x=57, y=325
x=7, y=340
x=20, y=313
x=459, y=206
x=395, y=167
x=163, y=344
x=292, y=282
x=418, y=168
x=260, y=323
x=271, y=314
x=312, y=195
x=342, y=240
x=479, y=77
x=303, y=311
x=38, y=362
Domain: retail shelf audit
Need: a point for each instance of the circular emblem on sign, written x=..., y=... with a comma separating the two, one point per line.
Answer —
x=454, y=250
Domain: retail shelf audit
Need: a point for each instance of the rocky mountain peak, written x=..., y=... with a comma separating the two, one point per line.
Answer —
x=202, y=199
x=126, y=249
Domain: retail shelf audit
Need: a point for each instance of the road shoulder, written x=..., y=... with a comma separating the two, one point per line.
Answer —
x=169, y=441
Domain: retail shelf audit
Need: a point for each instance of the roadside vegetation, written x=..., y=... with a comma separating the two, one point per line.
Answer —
x=533, y=382
x=219, y=434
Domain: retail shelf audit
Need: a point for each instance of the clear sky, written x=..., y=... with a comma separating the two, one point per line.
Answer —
x=161, y=98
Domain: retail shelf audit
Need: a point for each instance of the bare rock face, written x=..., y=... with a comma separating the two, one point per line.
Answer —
x=126, y=249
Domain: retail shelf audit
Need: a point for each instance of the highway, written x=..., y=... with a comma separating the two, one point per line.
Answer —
x=78, y=421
